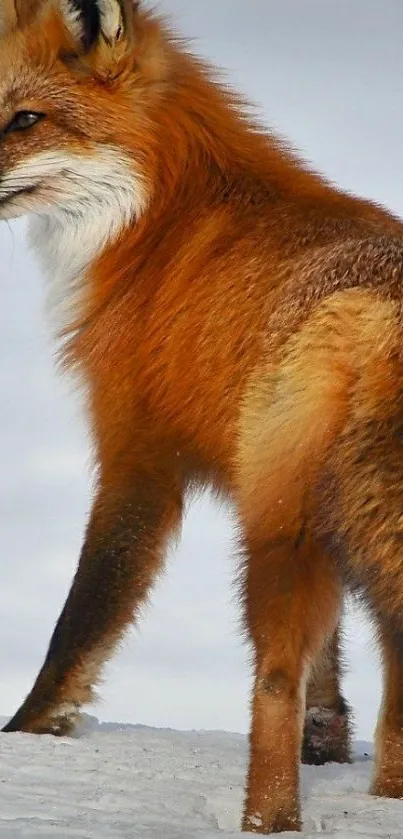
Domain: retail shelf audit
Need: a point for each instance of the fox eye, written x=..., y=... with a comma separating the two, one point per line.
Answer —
x=22, y=120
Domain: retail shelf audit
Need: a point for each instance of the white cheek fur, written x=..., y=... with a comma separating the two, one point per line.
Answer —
x=83, y=202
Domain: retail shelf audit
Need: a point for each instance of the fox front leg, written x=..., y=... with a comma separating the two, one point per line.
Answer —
x=121, y=556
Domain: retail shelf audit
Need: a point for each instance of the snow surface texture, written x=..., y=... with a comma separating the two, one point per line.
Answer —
x=113, y=782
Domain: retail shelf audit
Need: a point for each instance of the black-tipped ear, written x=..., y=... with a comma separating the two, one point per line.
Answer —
x=83, y=20
x=87, y=20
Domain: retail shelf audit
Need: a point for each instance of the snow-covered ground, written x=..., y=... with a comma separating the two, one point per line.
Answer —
x=114, y=782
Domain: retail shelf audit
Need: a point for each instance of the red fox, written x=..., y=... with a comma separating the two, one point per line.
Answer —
x=237, y=322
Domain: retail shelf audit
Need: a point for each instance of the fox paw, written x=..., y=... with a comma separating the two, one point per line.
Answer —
x=326, y=737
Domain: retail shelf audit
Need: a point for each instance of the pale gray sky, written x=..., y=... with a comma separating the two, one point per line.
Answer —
x=329, y=76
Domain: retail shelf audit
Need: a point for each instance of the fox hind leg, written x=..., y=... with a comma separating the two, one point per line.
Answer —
x=321, y=442
x=292, y=602
x=327, y=728
x=388, y=778
x=360, y=518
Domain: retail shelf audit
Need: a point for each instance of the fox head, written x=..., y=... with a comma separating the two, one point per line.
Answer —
x=77, y=81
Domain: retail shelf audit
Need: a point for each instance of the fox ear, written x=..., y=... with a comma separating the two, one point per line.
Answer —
x=89, y=20
x=116, y=17
x=82, y=20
